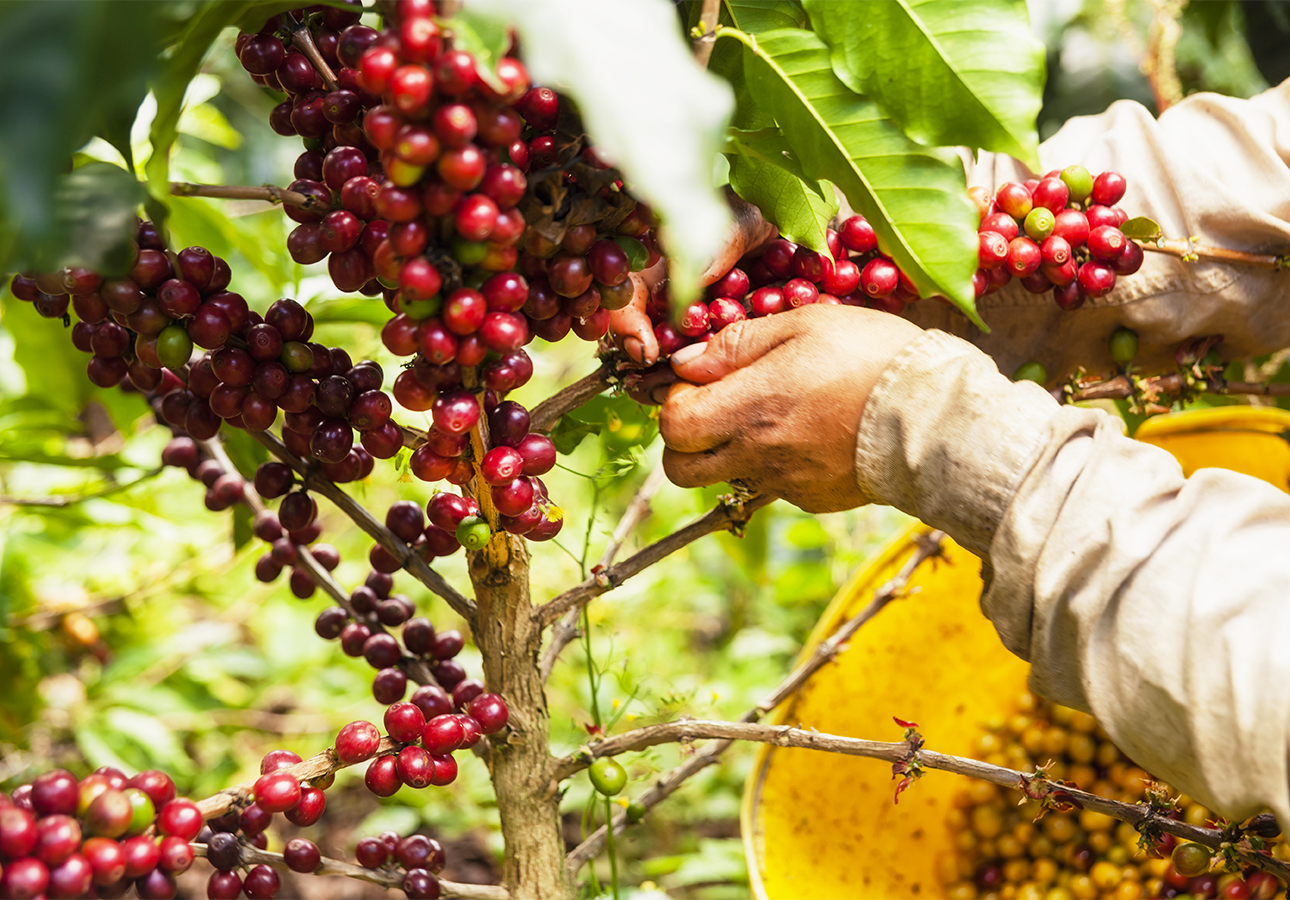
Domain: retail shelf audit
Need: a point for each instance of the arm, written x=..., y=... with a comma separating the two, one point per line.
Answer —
x=1156, y=602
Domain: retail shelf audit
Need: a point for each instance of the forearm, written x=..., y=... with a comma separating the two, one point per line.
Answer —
x=1154, y=601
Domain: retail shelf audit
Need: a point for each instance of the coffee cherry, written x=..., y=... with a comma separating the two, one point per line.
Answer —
x=1106, y=242
x=277, y=791
x=17, y=832
x=382, y=777
x=1039, y=223
x=490, y=711
x=261, y=883
x=381, y=651
x=1108, y=189
x=301, y=855
x=1096, y=278
x=992, y=249
x=357, y=741
x=109, y=814
x=1123, y=345
x=405, y=519
x=1130, y=260
x=313, y=802
x=1014, y=199
x=1051, y=194
x=607, y=776
x=455, y=411
x=1023, y=257
x=1079, y=181
x=57, y=837
x=879, y=278
x=1031, y=371
x=176, y=855
x=106, y=859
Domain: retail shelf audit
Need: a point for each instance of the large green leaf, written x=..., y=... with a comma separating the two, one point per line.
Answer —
x=946, y=71
x=915, y=197
x=764, y=172
x=70, y=70
x=756, y=16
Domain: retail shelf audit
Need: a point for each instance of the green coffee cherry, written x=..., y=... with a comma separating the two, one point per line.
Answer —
x=1030, y=371
x=1079, y=181
x=421, y=309
x=468, y=253
x=1124, y=345
x=607, y=776
x=637, y=255
x=635, y=811
x=297, y=356
x=1039, y=223
x=473, y=533
x=174, y=346
x=144, y=811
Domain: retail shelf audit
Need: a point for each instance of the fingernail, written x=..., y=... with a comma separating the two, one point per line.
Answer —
x=688, y=354
x=634, y=348
x=659, y=394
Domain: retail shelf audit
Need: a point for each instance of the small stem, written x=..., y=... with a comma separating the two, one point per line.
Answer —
x=265, y=192
x=613, y=855
x=1192, y=252
x=304, y=42
x=732, y=513
x=707, y=26
x=385, y=877
x=59, y=501
x=544, y=416
x=1120, y=387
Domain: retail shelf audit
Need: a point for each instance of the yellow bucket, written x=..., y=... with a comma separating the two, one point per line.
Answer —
x=822, y=825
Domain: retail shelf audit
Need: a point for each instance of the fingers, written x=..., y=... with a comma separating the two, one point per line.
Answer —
x=735, y=347
x=748, y=233
x=631, y=325
x=698, y=418
x=690, y=470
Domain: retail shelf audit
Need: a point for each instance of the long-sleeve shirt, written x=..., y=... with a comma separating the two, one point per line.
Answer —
x=1159, y=603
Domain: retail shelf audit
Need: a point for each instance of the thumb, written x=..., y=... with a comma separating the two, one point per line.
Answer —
x=734, y=347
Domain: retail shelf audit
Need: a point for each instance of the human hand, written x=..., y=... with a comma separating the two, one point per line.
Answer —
x=630, y=326
x=775, y=403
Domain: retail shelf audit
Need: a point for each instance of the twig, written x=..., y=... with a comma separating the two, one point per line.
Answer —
x=566, y=630
x=385, y=877
x=304, y=42
x=786, y=736
x=544, y=416
x=1121, y=387
x=929, y=545
x=415, y=667
x=411, y=561
x=731, y=513
x=1189, y=251
x=265, y=192
x=58, y=502
x=703, y=43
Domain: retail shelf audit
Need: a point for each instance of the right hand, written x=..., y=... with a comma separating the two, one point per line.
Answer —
x=630, y=326
x=775, y=403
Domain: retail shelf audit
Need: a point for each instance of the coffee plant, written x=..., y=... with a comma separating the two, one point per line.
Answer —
x=488, y=180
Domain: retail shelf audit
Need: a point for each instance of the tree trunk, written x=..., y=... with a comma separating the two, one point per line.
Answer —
x=510, y=641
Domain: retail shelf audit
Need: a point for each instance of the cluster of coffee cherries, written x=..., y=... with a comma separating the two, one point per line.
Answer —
x=95, y=837
x=224, y=489
x=780, y=276
x=422, y=204
x=149, y=319
x=424, y=733
x=419, y=858
x=1060, y=233
x=1002, y=850
x=363, y=634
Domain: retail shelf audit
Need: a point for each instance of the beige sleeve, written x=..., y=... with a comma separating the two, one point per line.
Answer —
x=1159, y=603
x=1211, y=167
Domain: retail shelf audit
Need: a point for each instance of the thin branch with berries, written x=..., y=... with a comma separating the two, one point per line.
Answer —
x=929, y=547
x=544, y=416
x=733, y=513
x=1035, y=786
x=413, y=563
x=385, y=878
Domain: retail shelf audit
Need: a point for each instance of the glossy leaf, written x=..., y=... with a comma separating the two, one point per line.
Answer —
x=485, y=37
x=1142, y=228
x=915, y=197
x=764, y=172
x=947, y=72
x=649, y=108
x=53, y=57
